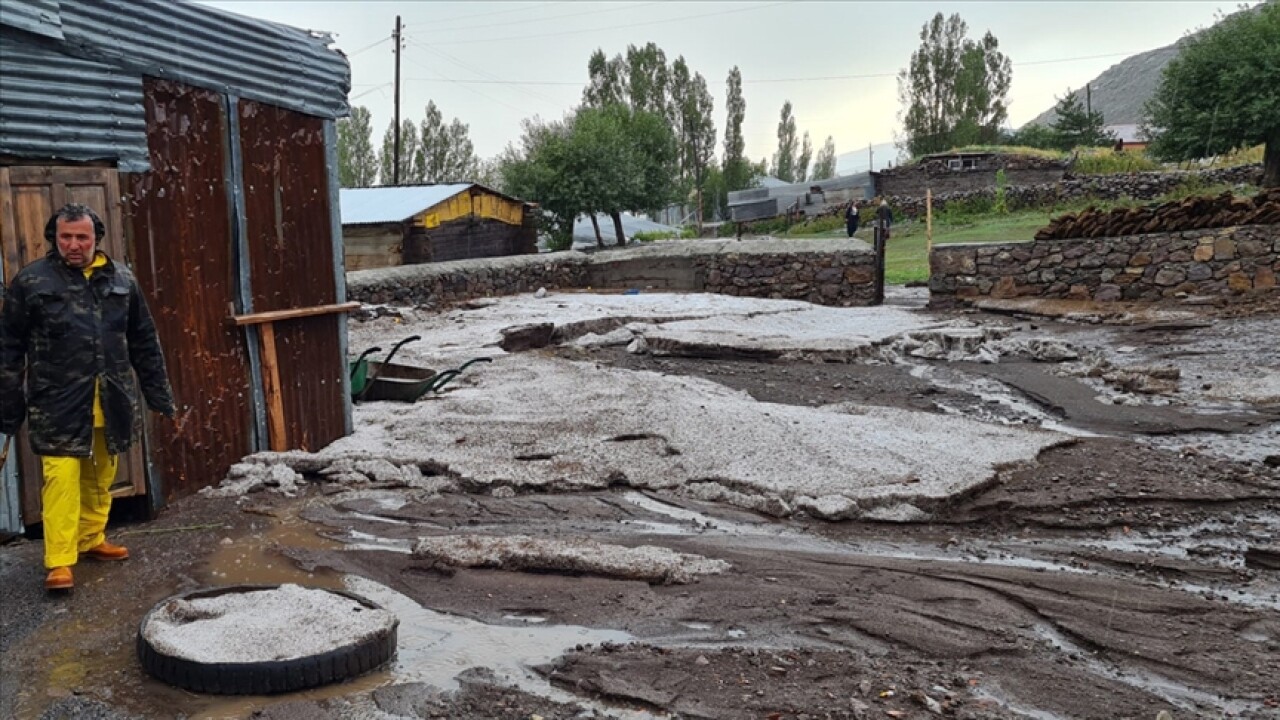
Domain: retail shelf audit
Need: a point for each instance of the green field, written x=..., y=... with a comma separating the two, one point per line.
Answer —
x=906, y=259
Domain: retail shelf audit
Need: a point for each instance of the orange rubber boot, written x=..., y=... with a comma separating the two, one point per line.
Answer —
x=59, y=578
x=107, y=551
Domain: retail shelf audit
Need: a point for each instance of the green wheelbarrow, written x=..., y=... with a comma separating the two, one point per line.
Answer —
x=372, y=380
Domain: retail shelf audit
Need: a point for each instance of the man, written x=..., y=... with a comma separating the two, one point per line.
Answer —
x=74, y=322
x=884, y=216
x=851, y=218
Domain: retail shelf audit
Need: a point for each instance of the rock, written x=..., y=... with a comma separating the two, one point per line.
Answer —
x=527, y=337
x=541, y=293
x=638, y=346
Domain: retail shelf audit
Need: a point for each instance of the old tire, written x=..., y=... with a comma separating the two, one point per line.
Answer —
x=266, y=677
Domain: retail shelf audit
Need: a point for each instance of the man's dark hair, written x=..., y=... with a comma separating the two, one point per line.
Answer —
x=72, y=212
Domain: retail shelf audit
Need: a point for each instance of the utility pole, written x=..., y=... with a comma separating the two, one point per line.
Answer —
x=1088, y=99
x=395, y=155
x=871, y=159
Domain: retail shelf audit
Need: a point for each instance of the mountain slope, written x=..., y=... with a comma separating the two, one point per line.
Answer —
x=1122, y=89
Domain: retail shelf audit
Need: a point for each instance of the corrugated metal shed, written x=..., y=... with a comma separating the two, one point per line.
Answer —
x=81, y=63
x=371, y=206
x=56, y=106
x=212, y=48
x=35, y=16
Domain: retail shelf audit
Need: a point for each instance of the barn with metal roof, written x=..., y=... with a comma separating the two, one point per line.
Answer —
x=407, y=225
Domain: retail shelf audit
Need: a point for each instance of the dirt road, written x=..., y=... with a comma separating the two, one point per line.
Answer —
x=1121, y=570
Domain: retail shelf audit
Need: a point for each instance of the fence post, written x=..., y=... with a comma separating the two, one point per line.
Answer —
x=879, y=251
x=928, y=221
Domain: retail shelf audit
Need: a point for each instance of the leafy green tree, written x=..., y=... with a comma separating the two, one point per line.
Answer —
x=803, y=159
x=737, y=168
x=784, y=160
x=692, y=107
x=1222, y=92
x=1036, y=136
x=357, y=163
x=601, y=160
x=410, y=161
x=653, y=160
x=648, y=79
x=606, y=81
x=445, y=151
x=715, y=196
x=1076, y=126
x=533, y=171
x=954, y=90
x=824, y=167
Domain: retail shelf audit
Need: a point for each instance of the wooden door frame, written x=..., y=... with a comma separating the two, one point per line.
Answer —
x=58, y=177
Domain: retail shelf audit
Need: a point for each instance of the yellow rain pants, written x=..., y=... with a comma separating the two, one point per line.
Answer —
x=77, y=497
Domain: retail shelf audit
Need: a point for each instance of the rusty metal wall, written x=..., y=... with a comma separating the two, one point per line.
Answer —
x=290, y=244
x=179, y=225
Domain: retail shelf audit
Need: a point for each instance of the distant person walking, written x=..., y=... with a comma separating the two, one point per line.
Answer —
x=851, y=218
x=884, y=217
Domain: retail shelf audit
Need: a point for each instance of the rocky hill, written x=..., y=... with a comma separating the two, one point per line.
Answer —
x=1121, y=90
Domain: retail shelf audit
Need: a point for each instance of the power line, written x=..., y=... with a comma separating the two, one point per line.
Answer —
x=477, y=92
x=508, y=11
x=492, y=79
x=611, y=27
x=366, y=92
x=816, y=78
x=547, y=18
x=368, y=47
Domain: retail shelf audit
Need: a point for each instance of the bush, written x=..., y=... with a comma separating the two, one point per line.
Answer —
x=1242, y=156
x=1001, y=205
x=817, y=225
x=1105, y=161
x=959, y=211
x=652, y=235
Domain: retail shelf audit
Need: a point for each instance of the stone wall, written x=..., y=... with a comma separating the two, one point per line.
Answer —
x=443, y=283
x=825, y=278
x=1136, y=267
x=1137, y=186
x=935, y=173
x=828, y=272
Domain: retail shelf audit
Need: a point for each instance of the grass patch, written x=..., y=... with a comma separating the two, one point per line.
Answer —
x=906, y=256
x=1005, y=150
x=906, y=259
x=1105, y=161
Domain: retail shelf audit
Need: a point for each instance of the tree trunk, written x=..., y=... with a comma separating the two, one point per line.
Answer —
x=595, y=225
x=1271, y=161
x=617, y=227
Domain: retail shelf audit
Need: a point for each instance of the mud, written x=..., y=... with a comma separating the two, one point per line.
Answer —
x=1116, y=573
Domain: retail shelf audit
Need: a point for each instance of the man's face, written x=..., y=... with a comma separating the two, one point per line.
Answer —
x=76, y=241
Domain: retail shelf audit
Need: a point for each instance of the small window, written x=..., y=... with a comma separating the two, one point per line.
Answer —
x=953, y=165
x=970, y=164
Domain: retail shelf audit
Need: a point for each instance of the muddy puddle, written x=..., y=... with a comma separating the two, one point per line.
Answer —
x=433, y=648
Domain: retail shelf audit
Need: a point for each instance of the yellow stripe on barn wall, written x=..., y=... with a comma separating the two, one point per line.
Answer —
x=482, y=205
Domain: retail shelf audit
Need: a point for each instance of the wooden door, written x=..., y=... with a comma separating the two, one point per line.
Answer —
x=29, y=195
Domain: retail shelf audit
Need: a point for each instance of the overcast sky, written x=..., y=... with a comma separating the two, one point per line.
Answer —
x=492, y=64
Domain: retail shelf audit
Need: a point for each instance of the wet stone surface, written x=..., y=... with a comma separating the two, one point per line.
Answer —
x=1113, y=574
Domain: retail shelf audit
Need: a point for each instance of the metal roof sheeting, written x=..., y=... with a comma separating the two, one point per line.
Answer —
x=370, y=206
x=211, y=48
x=55, y=106
x=35, y=16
